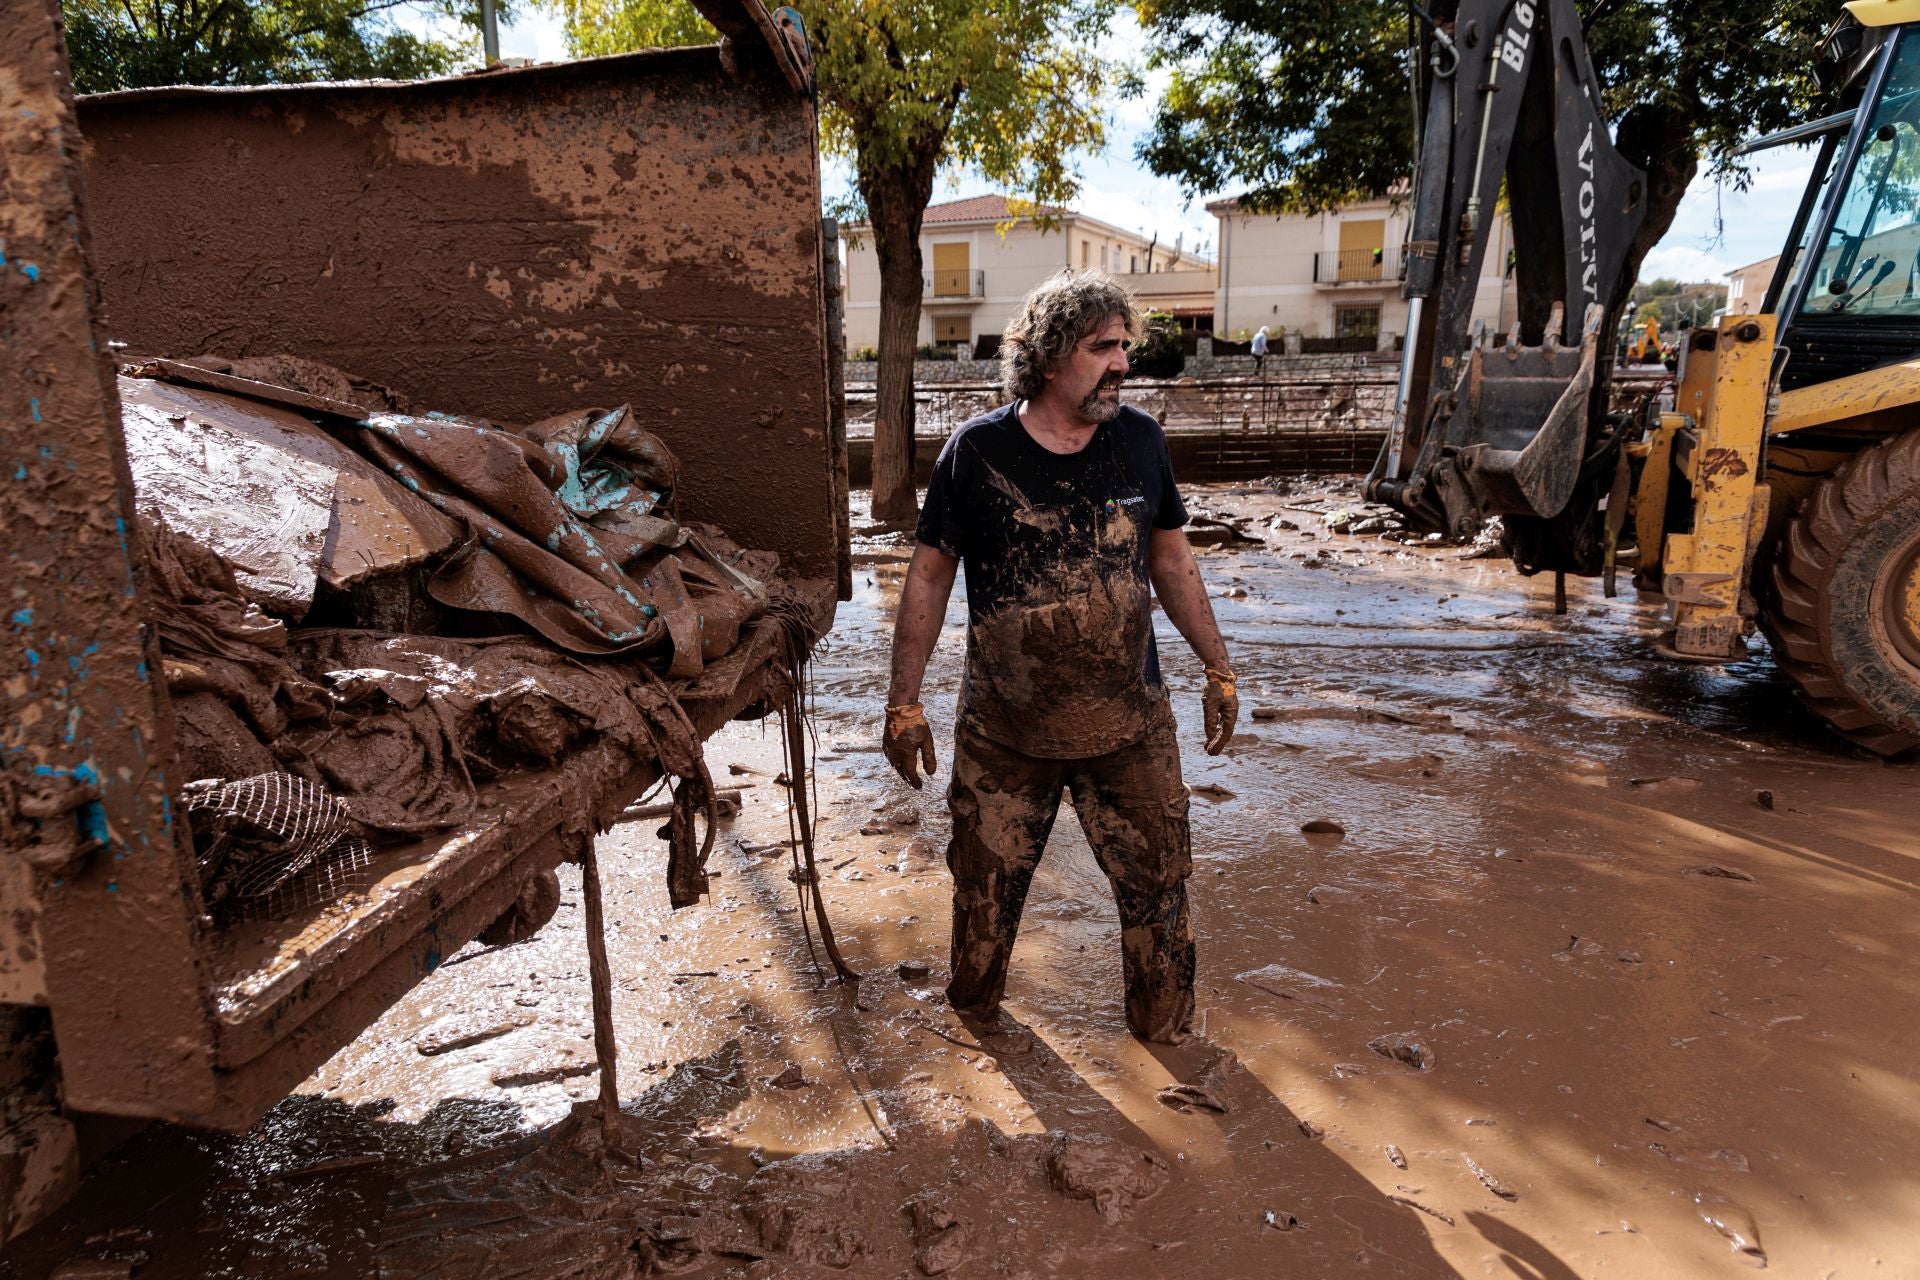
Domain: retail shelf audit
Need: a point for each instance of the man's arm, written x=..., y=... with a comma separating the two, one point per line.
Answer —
x=907, y=740
x=916, y=626
x=1176, y=581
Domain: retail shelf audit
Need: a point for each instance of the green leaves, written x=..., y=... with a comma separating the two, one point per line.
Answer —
x=123, y=44
x=1303, y=102
x=596, y=27
x=1306, y=104
x=908, y=88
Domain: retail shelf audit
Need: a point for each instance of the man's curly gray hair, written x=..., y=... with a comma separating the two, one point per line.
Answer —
x=1065, y=308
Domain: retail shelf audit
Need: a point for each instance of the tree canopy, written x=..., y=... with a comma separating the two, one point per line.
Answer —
x=128, y=44
x=1676, y=304
x=1306, y=105
x=1009, y=92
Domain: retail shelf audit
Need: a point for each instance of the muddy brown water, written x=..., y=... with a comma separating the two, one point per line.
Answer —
x=1666, y=1030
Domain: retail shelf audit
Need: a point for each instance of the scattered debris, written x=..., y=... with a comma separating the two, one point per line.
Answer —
x=1112, y=1174
x=1211, y=790
x=1293, y=984
x=1282, y=1221
x=914, y=970
x=1488, y=1181
x=1182, y=1096
x=1322, y=827
x=1309, y=1130
x=1405, y=1046
x=1415, y=1204
x=1718, y=872
x=1677, y=782
x=433, y=1047
x=544, y=1075
x=1398, y=1160
x=1734, y=1223
x=1326, y=895
x=792, y=1077
x=1764, y=799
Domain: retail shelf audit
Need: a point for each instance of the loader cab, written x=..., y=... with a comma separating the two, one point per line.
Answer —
x=1848, y=291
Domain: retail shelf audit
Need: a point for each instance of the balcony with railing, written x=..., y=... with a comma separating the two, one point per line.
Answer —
x=960, y=284
x=1333, y=268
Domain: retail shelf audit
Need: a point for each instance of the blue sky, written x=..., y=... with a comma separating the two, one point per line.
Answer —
x=1719, y=226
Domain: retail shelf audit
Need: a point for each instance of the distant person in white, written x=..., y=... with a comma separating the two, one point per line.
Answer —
x=1260, y=349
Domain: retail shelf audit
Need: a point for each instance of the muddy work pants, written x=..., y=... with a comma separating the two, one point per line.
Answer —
x=1133, y=807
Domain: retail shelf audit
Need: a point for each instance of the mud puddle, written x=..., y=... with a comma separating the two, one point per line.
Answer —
x=1563, y=996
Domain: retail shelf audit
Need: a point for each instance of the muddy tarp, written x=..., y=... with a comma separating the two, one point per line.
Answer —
x=399, y=727
x=264, y=499
x=570, y=530
x=567, y=525
x=272, y=493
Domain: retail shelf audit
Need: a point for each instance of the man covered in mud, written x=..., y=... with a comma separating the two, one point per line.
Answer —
x=1062, y=506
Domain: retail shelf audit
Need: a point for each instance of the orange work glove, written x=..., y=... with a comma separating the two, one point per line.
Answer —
x=1220, y=705
x=908, y=741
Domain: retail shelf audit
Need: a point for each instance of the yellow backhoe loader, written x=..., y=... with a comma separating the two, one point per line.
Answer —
x=1783, y=489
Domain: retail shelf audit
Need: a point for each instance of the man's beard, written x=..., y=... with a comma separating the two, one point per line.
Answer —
x=1094, y=409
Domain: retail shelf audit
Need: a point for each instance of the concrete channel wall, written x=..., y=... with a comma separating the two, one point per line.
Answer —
x=1217, y=428
x=639, y=229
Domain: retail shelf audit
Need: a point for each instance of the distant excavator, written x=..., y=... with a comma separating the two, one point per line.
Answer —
x=1783, y=488
x=1645, y=346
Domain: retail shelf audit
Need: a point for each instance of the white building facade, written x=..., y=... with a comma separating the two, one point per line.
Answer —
x=1333, y=275
x=1747, y=286
x=981, y=258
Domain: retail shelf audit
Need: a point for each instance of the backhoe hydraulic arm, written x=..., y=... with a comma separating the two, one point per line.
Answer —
x=1510, y=113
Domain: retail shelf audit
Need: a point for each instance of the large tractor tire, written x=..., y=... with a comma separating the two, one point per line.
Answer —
x=1845, y=614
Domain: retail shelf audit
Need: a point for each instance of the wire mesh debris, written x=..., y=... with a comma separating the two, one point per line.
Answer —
x=272, y=844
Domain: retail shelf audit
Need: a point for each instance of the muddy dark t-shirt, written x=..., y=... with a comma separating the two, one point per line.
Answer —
x=1060, y=652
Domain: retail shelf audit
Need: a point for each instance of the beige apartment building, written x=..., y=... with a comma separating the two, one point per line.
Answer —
x=1747, y=286
x=981, y=258
x=1332, y=275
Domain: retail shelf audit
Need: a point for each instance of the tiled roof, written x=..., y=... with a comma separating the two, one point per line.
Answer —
x=980, y=209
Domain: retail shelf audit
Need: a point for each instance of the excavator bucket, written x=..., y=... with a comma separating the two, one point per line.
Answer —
x=1516, y=424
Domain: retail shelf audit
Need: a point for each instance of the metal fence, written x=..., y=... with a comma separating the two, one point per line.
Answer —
x=1223, y=426
x=1219, y=428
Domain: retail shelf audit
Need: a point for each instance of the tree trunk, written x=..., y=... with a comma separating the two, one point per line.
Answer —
x=896, y=200
x=1660, y=139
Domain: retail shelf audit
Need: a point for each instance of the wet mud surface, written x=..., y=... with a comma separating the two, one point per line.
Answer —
x=1522, y=951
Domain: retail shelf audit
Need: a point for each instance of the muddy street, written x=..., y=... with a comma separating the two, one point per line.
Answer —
x=1522, y=951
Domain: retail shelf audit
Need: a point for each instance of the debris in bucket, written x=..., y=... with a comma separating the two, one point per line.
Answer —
x=370, y=613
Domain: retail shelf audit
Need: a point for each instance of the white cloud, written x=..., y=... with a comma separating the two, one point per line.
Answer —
x=1680, y=262
x=1719, y=227
x=537, y=33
